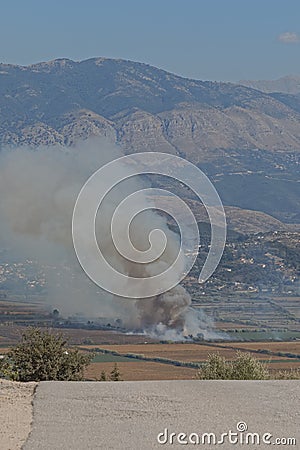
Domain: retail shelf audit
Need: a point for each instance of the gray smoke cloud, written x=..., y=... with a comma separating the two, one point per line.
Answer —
x=39, y=188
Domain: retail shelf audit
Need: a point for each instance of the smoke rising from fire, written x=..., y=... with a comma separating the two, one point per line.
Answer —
x=39, y=188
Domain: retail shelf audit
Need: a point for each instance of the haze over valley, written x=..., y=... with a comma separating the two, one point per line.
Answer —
x=247, y=141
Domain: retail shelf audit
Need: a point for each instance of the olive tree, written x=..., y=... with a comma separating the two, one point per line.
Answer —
x=43, y=356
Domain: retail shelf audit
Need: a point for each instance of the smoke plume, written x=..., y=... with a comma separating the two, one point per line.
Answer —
x=39, y=188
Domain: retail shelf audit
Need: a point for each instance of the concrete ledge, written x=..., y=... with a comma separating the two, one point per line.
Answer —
x=130, y=415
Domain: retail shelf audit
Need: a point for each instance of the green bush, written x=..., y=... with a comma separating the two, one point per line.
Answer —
x=247, y=367
x=243, y=367
x=43, y=356
x=216, y=368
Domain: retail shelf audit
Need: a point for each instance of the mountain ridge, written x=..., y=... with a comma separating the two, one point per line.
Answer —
x=108, y=87
x=247, y=141
x=289, y=84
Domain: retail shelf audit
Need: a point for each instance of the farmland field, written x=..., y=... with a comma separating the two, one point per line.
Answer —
x=176, y=352
x=198, y=352
x=108, y=357
x=136, y=369
x=154, y=360
x=10, y=334
x=271, y=335
x=142, y=370
x=287, y=347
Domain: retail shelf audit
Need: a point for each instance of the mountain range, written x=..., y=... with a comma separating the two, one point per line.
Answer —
x=246, y=140
x=289, y=84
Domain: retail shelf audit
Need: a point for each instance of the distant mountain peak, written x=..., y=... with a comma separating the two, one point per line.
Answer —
x=60, y=63
x=289, y=84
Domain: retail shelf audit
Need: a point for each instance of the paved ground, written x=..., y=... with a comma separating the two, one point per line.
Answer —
x=15, y=413
x=130, y=415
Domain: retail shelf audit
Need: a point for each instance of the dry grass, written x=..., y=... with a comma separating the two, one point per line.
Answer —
x=177, y=352
x=286, y=347
x=99, y=337
x=10, y=334
x=180, y=352
x=142, y=370
x=284, y=365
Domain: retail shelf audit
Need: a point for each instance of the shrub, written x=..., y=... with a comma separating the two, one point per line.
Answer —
x=247, y=367
x=291, y=374
x=115, y=374
x=103, y=376
x=43, y=356
x=216, y=368
x=243, y=367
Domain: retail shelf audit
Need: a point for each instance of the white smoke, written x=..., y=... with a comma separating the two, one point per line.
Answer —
x=39, y=188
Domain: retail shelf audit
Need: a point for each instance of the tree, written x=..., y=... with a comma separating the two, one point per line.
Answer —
x=103, y=376
x=115, y=374
x=44, y=356
x=55, y=314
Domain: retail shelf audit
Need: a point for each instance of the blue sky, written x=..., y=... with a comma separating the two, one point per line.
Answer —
x=203, y=39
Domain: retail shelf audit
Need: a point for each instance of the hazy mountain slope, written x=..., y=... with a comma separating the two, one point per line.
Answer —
x=289, y=84
x=246, y=140
x=205, y=115
x=292, y=101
